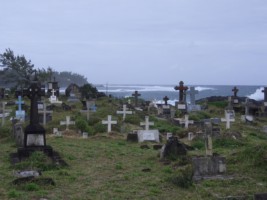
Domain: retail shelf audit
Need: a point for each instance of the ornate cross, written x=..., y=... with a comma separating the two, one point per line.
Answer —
x=181, y=89
x=136, y=95
x=165, y=99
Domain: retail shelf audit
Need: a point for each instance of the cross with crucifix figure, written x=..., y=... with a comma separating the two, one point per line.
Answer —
x=136, y=95
x=265, y=95
x=166, y=99
x=182, y=89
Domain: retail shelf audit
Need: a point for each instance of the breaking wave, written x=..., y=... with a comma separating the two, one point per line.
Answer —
x=257, y=95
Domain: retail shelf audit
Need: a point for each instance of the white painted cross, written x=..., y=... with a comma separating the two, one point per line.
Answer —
x=67, y=122
x=44, y=112
x=5, y=112
x=147, y=123
x=186, y=121
x=227, y=119
x=124, y=112
x=109, y=122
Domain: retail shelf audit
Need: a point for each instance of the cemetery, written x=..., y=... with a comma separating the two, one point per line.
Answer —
x=106, y=148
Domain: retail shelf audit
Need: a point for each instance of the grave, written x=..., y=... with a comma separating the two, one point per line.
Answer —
x=85, y=135
x=228, y=119
x=147, y=123
x=148, y=135
x=235, y=98
x=132, y=136
x=87, y=110
x=182, y=95
x=124, y=112
x=247, y=117
x=166, y=107
x=4, y=112
x=46, y=114
x=169, y=135
x=53, y=85
x=53, y=99
x=18, y=134
x=73, y=93
x=186, y=121
x=173, y=149
x=109, y=122
x=136, y=95
x=265, y=96
x=20, y=114
x=192, y=106
x=67, y=122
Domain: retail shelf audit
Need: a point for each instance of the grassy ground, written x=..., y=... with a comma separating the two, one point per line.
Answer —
x=105, y=166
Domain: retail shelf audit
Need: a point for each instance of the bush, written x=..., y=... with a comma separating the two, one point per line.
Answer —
x=183, y=177
x=100, y=128
x=198, y=144
x=227, y=143
x=5, y=131
x=81, y=124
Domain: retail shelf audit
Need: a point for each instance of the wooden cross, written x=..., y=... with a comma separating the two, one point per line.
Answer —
x=192, y=93
x=235, y=90
x=136, y=95
x=181, y=89
x=124, y=112
x=165, y=99
x=186, y=121
x=109, y=122
x=265, y=94
x=147, y=123
x=227, y=119
x=44, y=112
x=67, y=122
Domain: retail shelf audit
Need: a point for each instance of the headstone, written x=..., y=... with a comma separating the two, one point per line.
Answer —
x=4, y=112
x=166, y=107
x=132, y=136
x=18, y=134
x=147, y=123
x=53, y=98
x=124, y=112
x=235, y=98
x=265, y=96
x=136, y=95
x=109, y=122
x=20, y=114
x=173, y=149
x=192, y=94
x=208, y=145
x=186, y=121
x=182, y=95
x=44, y=112
x=227, y=119
x=169, y=135
x=85, y=135
x=190, y=136
x=67, y=122
x=148, y=135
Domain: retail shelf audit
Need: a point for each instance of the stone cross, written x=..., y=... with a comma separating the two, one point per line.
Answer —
x=44, y=112
x=147, y=123
x=208, y=145
x=136, y=95
x=186, y=121
x=235, y=90
x=265, y=94
x=192, y=94
x=165, y=99
x=182, y=89
x=109, y=122
x=4, y=111
x=87, y=111
x=227, y=119
x=67, y=122
x=124, y=112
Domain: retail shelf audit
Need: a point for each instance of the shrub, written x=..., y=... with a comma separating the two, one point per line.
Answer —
x=81, y=124
x=183, y=177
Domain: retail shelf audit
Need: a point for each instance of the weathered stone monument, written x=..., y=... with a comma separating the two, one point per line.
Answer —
x=182, y=95
x=109, y=122
x=166, y=107
x=87, y=110
x=235, y=98
x=228, y=119
x=53, y=98
x=147, y=123
x=192, y=106
x=136, y=95
x=186, y=121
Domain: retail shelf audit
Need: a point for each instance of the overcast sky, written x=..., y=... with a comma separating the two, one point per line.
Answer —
x=142, y=41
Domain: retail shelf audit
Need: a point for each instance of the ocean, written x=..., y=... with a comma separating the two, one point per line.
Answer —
x=158, y=92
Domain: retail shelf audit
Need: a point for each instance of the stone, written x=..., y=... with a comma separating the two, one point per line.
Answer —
x=136, y=95
x=264, y=129
x=208, y=145
x=18, y=134
x=87, y=110
x=227, y=119
x=186, y=121
x=235, y=98
x=85, y=135
x=27, y=173
x=148, y=135
x=207, y=167
x=45, y=113
x=182, y=92
x=147, y=123
x=109, y=122
x=132, y=137
x=53, y=99
x=190, y=136
x=192, y=94
x=169, y=135
x=67, y=122
x=173, y=149
x=124, y=112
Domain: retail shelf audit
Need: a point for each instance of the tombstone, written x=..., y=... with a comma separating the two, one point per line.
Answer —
x=45, y=112
x=166, y=107
x=124, y=112
x=265, y=96
x=173, y=149
x=53, y=99
x=148, y=135
x=18, y=134
x=186, y=121
x=192, y=106
x=4, y=112
x=227, y=119
x=190, y=136
x=85, y=135
x=67, y=122
x=20, y=114
x=235, y=98
x=169, y=135
x=182, y=95
x=136, y=95
x=55, y=130
x=147, y=123
x=247, y=117
x=73, y=93
x=173, y=111
x=53, y=85
x=132, y=136
x=208, y=145
x=109, y=122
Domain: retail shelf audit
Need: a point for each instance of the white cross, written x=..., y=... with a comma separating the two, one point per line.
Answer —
x=227, y=119
x=124, y=112
x=109, y=122
x=53, y=92
x=147, y=123
x=5, y=112
x=44, y=111
x=67, y=122
x=186, y=122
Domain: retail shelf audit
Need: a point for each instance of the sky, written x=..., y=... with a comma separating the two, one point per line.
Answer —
x=206, y=42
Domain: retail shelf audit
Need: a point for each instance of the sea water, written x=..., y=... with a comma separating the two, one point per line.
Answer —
x=158, y=92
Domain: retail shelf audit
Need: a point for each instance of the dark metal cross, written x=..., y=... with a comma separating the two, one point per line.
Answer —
x=136, y=95
x=265, y=94
x=165, y=99
x=181, y=89
x=235, y=90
